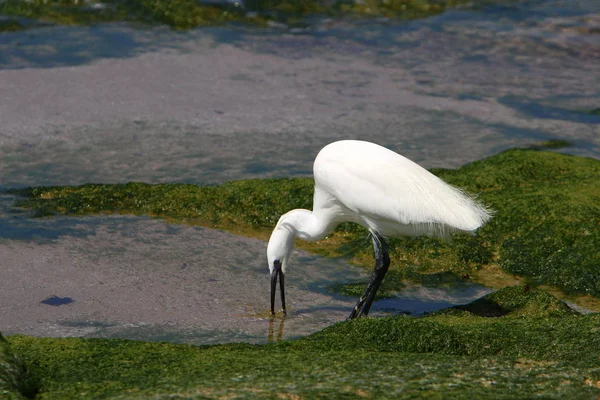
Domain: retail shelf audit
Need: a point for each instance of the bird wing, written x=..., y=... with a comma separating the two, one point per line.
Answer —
x=381, y=187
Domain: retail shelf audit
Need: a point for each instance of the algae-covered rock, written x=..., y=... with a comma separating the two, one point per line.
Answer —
x=545, y=225
x=185, y=14
x=462, y=356
x=547, y=212
x=515, y=321
x=514, y=301
x=14, y=382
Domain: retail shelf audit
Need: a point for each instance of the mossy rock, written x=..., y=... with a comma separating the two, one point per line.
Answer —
x=545, y=224
x=514, y=320
x=14, y=380
x=186, y=14
x=255, y=204
x=514, y=302
x=531, y=353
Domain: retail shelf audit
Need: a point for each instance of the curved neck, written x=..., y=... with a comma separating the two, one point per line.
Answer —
x=306, y=224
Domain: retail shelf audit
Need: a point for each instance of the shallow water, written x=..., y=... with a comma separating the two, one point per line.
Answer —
x=114, y=103
x=138, y=278
x=111, y=103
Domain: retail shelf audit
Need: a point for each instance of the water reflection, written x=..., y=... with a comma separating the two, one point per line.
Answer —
x=417, y=300
x=279, y=322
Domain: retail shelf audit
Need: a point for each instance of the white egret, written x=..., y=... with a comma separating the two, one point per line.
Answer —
x=362, y=182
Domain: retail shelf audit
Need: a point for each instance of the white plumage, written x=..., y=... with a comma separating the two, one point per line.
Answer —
x=386, y=192
x=362, y=182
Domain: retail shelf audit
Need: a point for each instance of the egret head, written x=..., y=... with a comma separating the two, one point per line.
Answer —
x=279, y=250
x=280, y=247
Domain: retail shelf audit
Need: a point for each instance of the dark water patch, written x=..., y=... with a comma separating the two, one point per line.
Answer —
x=417, y=299
x=66, y=45
x=20, y=225
x=540, y=139
x=16, y=224
x=10, y=24
x=538, y=110
x=57, y=301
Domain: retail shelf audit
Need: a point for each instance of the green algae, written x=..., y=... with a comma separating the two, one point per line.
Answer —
x=15, y=382
x=185, y=14
x=178, y=14
x=130, y=370
x=513, y=302
x=545, y=229
x=514, y=321
x=58, y=11
x=525, y=353
x=256, y=204
x=406, y=9
x=547, y=210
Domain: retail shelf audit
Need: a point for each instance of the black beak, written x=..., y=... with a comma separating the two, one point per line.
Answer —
x=277, y=272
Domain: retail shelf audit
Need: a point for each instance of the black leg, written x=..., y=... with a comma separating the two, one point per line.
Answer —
x=382, y=263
